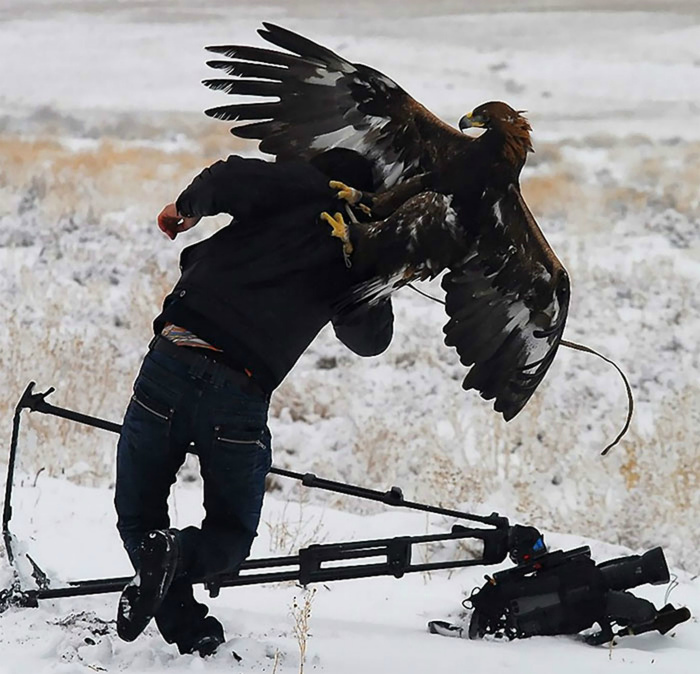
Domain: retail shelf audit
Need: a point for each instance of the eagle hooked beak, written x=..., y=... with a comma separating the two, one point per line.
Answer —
x=470, y=121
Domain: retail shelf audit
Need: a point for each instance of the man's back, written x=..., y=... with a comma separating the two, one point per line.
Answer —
x=262, y=288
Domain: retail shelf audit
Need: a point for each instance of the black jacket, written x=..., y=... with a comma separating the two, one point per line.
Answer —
x=262, y=287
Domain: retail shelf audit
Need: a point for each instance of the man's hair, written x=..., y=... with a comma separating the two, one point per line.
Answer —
x=347, y=166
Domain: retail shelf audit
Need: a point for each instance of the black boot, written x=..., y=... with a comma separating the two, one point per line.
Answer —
x=141, y=598
x=206, y=639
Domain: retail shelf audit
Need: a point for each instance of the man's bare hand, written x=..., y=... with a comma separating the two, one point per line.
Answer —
x=172, y=223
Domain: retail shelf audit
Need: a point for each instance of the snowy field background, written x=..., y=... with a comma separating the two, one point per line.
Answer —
x=101, y=124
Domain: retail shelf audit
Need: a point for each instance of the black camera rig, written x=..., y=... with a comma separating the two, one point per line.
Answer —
x=566, y=592
x=546, y=593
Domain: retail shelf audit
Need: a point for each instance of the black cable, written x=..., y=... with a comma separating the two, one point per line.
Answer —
x=430, y=297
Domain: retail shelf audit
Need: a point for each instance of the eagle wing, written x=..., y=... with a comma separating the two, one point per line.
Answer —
x=507, y=302
x=324, y=101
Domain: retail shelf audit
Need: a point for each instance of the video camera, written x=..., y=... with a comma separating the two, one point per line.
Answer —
x=566, y=592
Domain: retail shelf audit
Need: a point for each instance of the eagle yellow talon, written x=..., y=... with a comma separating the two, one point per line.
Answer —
x=339, y=227
x=340, y=231
x=345, y=192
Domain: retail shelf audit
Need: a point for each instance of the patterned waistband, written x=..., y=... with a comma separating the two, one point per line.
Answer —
x=183, y=337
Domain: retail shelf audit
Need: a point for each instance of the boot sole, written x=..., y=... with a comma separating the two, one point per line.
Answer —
x=142, y=597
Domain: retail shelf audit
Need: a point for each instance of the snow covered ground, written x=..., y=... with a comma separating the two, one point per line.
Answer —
x=101, y=124
x=374, y=625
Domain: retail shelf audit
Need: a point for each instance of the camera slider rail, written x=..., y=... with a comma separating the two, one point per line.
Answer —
x=311, y=565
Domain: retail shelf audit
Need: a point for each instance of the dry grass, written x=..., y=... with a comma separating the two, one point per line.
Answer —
x=104, y=177
x=662, y=479
x=301, y=617
x=293, y=528
x=658, y=176
x=550, y=195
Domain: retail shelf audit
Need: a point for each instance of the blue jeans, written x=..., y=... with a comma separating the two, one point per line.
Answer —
x=177, y=408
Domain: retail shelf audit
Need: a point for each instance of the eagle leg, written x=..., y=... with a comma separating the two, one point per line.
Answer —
x=351, y=195
x=340, y=231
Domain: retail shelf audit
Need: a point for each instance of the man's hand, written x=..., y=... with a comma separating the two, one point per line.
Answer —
x=172, y=223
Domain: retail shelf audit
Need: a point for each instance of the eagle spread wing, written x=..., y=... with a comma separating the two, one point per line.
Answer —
x=507, y=302
x=325, y=102
x=507, y=296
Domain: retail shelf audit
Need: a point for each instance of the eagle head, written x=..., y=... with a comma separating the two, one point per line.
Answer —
x=491, y=115
x=500, y=117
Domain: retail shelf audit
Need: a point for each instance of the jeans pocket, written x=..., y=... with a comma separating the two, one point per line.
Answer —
x=148, y=400
x=156, y=410
x=147, y=425
x=152, y=409
x=243, y=451
x=241, y=438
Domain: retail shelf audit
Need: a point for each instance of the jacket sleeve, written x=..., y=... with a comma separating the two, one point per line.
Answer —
x=245, y=187
x=367, y=330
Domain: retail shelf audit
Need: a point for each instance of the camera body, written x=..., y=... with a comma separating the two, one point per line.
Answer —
x=566, y=592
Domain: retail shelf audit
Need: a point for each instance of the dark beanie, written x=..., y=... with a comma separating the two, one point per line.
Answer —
x=347, y=166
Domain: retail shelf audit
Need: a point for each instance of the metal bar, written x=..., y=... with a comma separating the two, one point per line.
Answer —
x=359, y=554
x=9, y=480
x=109, y=585
x=329, y=574
x=117, y=584
x=459, y=532
x=394, y=497
x=267, y=562
x=47, y=408
x=450, y=564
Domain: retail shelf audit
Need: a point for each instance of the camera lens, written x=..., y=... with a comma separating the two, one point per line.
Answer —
x=627, y=572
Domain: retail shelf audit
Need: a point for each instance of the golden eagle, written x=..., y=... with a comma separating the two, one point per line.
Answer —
x=459, y=203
